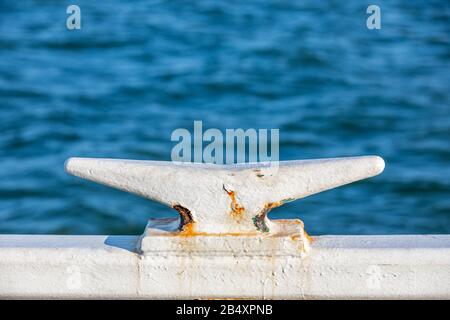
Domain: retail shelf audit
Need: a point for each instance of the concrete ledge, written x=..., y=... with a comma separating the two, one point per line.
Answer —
x=336, y=267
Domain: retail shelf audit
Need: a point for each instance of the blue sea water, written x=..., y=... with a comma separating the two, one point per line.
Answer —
x=137, y=70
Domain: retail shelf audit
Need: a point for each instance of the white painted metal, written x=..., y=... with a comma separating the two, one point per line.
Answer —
x=226, y=198
x=162, y=237
x=226, y=247
x=36, y=266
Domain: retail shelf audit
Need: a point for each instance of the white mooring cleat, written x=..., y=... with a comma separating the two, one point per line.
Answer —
x=225, y=200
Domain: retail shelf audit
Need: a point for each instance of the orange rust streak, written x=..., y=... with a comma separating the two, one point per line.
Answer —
x=308, y=236
x=188, y=231
x=237, y=211
x=273, y=205
x=297, y=236
x=225, y=234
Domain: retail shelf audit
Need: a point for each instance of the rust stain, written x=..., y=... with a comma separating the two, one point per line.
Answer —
x=187, y=223
x=260, y=224
x=186, y=219
x=307, y=236
x=259, y=219
x=237, y=211
x=310, y=239
x=272, y=205
x=189, y=231
x=297, y=236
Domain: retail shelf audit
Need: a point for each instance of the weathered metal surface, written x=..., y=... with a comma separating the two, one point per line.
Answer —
x=226, y=199
x=161, y=237
x=336, y=267
x=223, y=245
